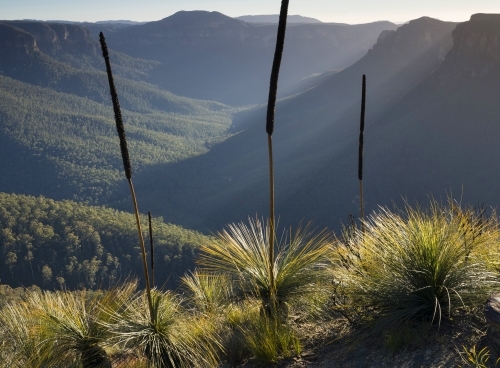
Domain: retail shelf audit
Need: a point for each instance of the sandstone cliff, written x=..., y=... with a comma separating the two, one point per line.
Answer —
x=476, y=50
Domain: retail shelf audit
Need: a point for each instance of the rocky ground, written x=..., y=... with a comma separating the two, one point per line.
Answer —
x=444, y=349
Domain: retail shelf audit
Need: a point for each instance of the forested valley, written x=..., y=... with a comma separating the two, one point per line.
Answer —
x=65, y=244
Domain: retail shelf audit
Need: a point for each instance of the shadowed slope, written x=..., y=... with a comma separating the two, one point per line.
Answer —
x=313, y=130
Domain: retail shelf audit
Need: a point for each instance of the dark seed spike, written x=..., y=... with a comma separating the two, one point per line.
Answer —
x=116, y=108
x=361, y=130
x=273, y=87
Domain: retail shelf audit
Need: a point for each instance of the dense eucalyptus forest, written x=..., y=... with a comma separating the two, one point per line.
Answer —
x=65, y=244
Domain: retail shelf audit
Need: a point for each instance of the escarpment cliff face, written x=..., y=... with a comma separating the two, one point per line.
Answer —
x=438, y=133
x=441, y=137
x=67, y=43
x=54, y=38
x=15, y=44
x=423, y=38
x=64, y=57
x=476, y=51
x=29, y=48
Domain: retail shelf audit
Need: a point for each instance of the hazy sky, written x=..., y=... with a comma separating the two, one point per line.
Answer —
x=346, y=11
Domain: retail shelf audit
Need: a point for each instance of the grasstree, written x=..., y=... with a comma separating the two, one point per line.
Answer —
x=414, y=267
x=173, y=339
x=241, y=254
x=238, y=256
x=60, y=329
x=20, y=346
x=264, y=271
x=163, y=332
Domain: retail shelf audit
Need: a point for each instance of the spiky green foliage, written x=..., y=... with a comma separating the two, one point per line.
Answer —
x=269, y=339
x=62, y=329
x=418, y=265
x=241, y=252
x=208, y=292
x=171, y=338
x=19, y=346
x=476, y=358
x=70, y=324
x=67, y=331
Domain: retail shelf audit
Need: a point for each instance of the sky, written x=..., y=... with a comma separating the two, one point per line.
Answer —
x=342, y=11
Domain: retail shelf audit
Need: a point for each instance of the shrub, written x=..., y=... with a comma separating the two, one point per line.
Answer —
x=71, y=324
x=299, y=269
x=171, y=339
x=60, y=329
x=418, y=265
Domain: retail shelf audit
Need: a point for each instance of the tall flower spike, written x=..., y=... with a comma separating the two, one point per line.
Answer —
x=128, y=168
x=360, y=157
x=271, y=104
x=362, y=129
x=278, y=53
x=116, y=108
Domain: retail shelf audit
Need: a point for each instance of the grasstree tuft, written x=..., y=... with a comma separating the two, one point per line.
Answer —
x=418, y=267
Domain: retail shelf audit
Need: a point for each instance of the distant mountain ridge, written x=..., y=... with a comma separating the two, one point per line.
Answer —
x=207, y=55
x=274, y=18
x=70, y=44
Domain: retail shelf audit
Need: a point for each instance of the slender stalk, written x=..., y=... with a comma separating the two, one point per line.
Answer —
x=271, y=212
x=271, y=106
x=360, y=157
x=126, y=164
x=152, y=250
